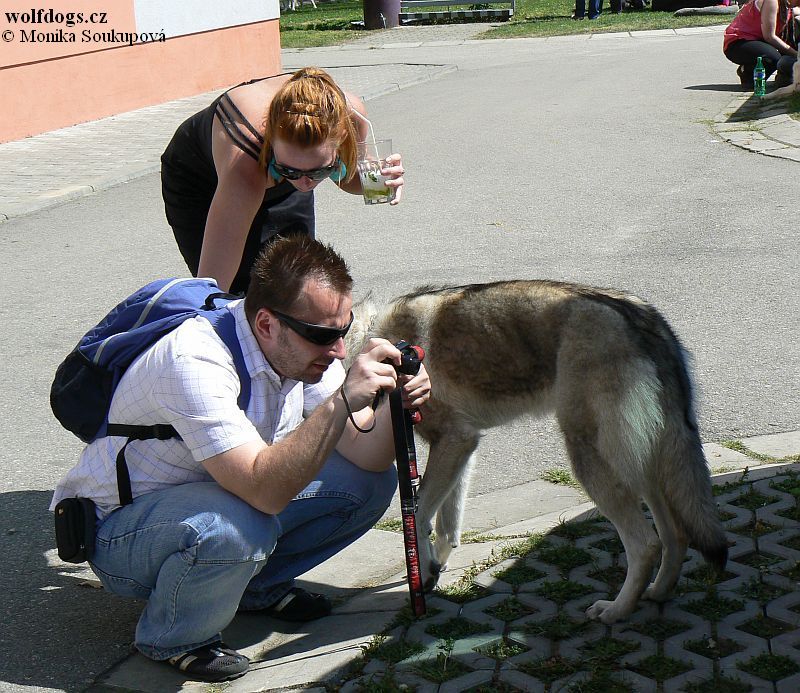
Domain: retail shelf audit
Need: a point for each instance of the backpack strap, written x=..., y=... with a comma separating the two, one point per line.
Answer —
x=155, y=432
x=224, y=324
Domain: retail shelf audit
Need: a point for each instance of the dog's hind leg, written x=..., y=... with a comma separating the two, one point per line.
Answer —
x=442, y=492
x=620, y=504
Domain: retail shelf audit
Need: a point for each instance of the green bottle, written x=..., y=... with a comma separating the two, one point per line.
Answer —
x=759, y=79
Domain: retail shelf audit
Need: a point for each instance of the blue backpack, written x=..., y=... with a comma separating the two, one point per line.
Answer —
x=85, y=381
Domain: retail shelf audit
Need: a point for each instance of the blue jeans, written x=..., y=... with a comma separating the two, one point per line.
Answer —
x=595, y=8
x=197, y=553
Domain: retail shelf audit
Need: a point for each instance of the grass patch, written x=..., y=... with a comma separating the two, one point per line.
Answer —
x=456, y=628
x=391, y=650
x=761, y=592
x=519, y=574
x=405, y=617
x=612, y=545
x=753, y=500
x=755, y=528
x=510, y=610
x=498, y=687
x=719, y=684
x=660, y=629
x=565, y=558
x=765, y=627
x=562, y=627
x=601, y=682
x=738, y=446
x=770, y=667
x=563, y=591
x=391, y=525
x=443, y=669
x=793, y=572
x=382, y=684
x=550, y=669
x=790, y=513
x=714, y=608
x=792, y=542
x=607, y=651
x=460, y=592
x=788, y=485
x=560, y=476
x=501, y=650
x=659, y=667
x=576, y=530
x=613, y=576
x=706, y=576
x=713, y=648
x=330, y=23
x=464, y=589
x=759, y=560
x=730, y=486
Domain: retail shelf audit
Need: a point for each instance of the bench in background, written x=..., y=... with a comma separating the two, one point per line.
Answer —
x=409, y=10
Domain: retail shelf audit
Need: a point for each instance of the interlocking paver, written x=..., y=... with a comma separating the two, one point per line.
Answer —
x=741, y=626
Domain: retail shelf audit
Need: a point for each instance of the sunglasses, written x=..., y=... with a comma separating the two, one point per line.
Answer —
x=297, y=174
x=316, y=334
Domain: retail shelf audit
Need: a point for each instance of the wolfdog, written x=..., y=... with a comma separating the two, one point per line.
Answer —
x=616, y=376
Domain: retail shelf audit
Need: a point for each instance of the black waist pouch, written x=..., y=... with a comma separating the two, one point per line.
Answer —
x=75, y=520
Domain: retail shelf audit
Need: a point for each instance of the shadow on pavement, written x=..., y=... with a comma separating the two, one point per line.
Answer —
x=714, y=87
x=57, y=632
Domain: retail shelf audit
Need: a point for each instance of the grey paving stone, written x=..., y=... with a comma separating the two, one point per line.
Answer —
x=777, y=444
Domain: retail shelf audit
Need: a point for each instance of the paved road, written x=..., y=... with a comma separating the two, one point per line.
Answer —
x=580, y=159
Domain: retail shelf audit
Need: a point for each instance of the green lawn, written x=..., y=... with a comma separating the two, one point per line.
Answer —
x=329, y=24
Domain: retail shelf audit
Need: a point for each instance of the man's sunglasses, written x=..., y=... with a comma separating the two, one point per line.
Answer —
x=317, y=334
x=297, y=174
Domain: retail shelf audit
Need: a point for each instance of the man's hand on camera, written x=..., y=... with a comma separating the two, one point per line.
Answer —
x=370, y=375
x=416, y=389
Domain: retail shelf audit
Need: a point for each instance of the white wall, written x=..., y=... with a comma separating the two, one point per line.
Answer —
x=180, y=17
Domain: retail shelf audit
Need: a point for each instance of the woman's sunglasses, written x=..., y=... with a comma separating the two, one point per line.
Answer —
x=316, y=334
x=297, y=174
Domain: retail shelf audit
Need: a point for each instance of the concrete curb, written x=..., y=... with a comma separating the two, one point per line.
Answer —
x=762, y=127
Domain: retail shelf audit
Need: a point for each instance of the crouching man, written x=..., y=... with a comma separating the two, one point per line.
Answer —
x=224, y=518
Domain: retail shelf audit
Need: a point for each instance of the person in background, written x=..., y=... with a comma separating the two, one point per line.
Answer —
x=243, y=170
x=757, y=30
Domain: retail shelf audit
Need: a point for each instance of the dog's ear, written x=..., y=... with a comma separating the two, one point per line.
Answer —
x=365, y=312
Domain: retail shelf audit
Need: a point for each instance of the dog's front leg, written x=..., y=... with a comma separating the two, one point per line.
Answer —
x=442, y=493
x=450, y=515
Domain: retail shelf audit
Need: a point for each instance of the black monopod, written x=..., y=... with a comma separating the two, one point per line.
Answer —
x=403, y=422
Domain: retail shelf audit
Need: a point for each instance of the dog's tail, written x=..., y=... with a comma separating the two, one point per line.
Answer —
x=683, y=476
x=681, y=468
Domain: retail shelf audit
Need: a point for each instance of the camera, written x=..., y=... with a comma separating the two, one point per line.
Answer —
x=411, y=358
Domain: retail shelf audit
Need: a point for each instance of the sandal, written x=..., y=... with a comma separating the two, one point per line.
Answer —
x=745, y=78
x=299, y=605
x=214, y=662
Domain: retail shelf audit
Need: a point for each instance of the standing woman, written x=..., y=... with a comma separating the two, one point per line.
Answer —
x=756, y=31
x=244, y=170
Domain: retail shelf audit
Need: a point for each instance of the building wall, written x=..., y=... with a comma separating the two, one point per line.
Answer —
x=69, y=62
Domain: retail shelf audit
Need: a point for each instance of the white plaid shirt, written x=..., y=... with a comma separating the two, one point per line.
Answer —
x=188, y=380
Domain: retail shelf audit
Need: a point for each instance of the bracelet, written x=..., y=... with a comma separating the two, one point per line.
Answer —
x=350, y=414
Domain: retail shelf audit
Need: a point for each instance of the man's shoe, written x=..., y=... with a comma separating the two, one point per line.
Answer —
x=299, y=605
x=215, y=662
